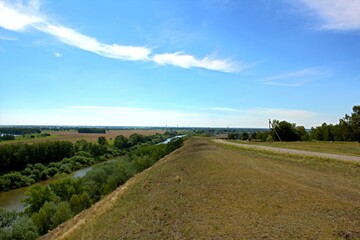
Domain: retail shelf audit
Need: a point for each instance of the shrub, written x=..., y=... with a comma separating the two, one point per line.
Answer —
x=16, y=226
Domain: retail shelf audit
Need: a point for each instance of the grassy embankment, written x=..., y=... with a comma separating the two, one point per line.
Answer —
x=346, y=148
x=211, y=191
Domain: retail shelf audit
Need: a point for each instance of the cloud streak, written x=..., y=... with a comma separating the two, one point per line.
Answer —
x=297, y=78
x=183, y=60
x=81, y=41
x=336, y=14
x=19, y=17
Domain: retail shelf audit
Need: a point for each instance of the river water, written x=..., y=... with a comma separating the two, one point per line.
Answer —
x=169, y=139
x=11, y=200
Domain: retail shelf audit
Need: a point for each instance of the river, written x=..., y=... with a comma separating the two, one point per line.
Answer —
x=11, y=200
x=169, y=139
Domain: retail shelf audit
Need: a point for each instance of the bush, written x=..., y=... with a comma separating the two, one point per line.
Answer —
x=62, y=214
x=44, y=218
x=16, y=226
x=13, y=180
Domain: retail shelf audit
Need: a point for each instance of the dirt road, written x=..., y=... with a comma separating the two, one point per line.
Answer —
x=292, y=151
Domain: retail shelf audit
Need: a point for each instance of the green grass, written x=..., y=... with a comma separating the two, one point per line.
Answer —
x=345, y=148
x=28, y=139
x=210, y=191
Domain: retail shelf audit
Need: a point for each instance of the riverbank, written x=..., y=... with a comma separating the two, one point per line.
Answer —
x=12, y=200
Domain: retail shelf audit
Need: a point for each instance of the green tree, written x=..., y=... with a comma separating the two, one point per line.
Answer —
x=14, y=225
x=62, y=214
x=286, y=131
x=37, y=195
x=79, y=203
x=354, y=121
x=121, y=142
x=245, y=136
x=44, y=218
x=102, y=141
x=135, y=139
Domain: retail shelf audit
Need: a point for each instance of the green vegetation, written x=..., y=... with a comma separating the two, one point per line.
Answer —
x=7, y=137
x=14, y=225
x=17, y=156
x=348, y=129
x=48, y=206
x=19, y=130
x=210, y=191
x=24, y=164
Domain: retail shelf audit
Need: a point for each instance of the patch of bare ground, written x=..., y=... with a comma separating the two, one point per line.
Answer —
x=209, y=191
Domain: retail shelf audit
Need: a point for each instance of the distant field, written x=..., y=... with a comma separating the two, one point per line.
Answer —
x=74, y=136
x=346, y=148
x=211, y=191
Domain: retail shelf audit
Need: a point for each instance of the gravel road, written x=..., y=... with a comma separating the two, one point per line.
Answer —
x=293, y=151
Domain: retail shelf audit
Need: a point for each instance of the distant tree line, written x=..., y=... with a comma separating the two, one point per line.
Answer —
x=19, y=130
x=48, y=206
x=7, y=137
x=91, y=130
x=16, y=156
x=348, y=129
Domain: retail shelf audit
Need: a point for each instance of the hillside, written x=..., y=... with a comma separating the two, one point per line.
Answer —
x=209, y=191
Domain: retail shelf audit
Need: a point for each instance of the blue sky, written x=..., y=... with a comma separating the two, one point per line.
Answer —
x=204, y=63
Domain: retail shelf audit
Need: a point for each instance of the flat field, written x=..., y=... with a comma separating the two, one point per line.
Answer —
x=74, y=136
x=346, y=148
x=210, y=191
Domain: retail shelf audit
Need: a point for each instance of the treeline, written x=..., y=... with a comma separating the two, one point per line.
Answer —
x=348, y=129
x=19, y=130
x=91, y=130
x=281, y=131
x=17, y=156
x=48, y=206
x=7, y=137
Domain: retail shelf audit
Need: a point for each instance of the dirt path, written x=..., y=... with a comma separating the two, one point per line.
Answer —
x=292, y=151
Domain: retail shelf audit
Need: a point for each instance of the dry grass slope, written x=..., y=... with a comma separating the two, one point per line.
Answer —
x=209, y=191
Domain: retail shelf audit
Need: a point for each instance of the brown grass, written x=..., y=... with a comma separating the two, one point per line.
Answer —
x=208, y=191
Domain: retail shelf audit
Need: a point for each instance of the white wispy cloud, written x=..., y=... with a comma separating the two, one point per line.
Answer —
x=81, y=41
x=298, y=78
x=16, y=16
x=336, y=14
x=188, y=61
